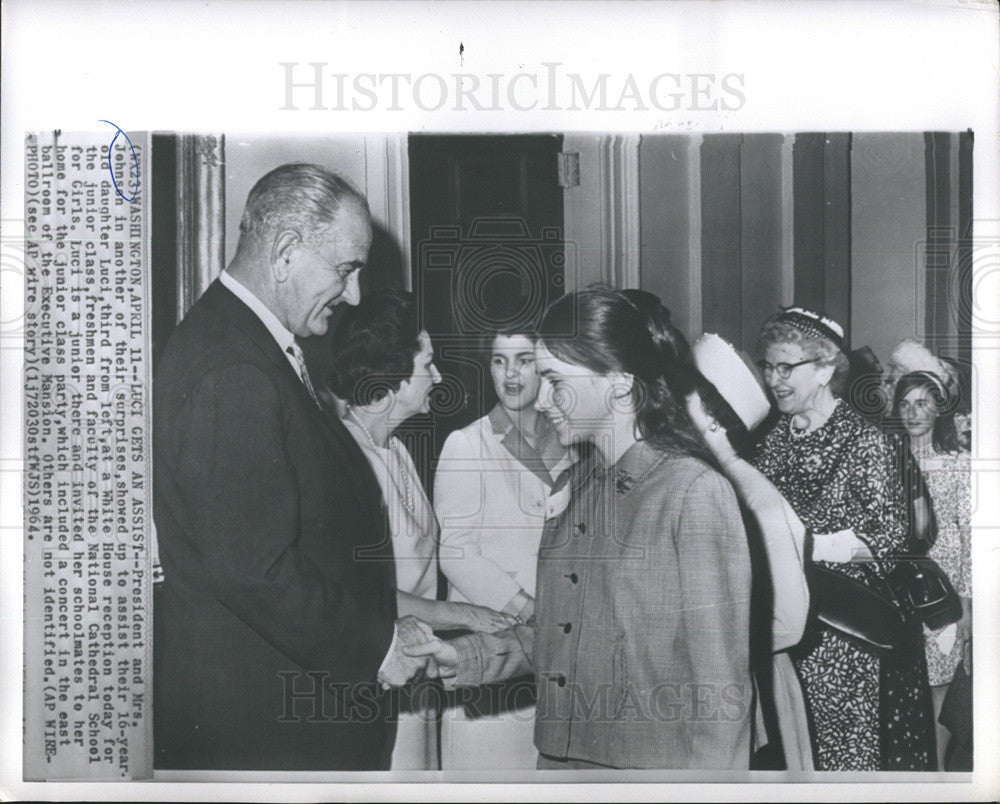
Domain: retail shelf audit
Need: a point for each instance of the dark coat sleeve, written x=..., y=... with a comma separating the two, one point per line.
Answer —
x=243, y=497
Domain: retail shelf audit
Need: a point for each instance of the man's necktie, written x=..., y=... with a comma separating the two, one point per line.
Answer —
x=296, y=351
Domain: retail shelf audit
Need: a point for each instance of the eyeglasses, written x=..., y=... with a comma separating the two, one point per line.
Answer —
x=783, y=370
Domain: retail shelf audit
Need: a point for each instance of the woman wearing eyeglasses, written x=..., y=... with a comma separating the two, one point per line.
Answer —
x=837, y=471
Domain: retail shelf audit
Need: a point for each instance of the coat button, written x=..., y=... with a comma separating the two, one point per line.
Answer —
x=567, y=627
x=572, y=577
x=582, y=527
x=560, y=681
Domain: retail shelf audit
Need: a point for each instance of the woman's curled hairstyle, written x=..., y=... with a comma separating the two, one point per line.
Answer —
x=373, y=347
x=603, y=330
x=817, y=345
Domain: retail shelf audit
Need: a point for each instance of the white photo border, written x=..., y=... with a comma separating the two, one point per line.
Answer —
x=811, y=66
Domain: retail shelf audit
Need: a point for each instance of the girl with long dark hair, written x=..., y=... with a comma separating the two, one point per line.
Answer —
x=924, y=409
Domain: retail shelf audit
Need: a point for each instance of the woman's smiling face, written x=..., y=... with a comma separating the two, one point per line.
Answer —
x=798, y=392
x=575, y=399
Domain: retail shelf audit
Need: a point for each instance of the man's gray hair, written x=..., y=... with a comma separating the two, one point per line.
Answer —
x=298, y=196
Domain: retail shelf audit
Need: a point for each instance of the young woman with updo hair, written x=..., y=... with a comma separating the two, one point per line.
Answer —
x=640, y=637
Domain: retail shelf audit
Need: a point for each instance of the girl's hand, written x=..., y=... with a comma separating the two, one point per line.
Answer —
x=481, y=618
x=442, y=658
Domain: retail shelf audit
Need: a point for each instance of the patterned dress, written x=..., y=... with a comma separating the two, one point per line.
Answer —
x=949, y=478
x=843, y=475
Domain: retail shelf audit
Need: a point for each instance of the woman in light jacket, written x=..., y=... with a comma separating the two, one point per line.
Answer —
x=726, y=401
x=639, y=643
x=924, y=408
x=491, y=494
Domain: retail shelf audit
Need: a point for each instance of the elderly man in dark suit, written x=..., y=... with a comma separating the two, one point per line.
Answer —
x=277, y=617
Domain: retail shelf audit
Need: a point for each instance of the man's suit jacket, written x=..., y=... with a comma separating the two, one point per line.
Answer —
x=279, y=577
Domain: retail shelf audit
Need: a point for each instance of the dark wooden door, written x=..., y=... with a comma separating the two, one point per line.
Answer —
x=488, y=250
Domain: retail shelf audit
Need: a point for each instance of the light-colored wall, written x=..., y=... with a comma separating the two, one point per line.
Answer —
x=670, y=230
x=250, y=156
x=888, y=215
x=888, y=224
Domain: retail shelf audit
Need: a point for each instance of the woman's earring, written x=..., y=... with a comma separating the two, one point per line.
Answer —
x=713, y=426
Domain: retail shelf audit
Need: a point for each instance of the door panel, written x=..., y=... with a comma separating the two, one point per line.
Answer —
x=487, y=238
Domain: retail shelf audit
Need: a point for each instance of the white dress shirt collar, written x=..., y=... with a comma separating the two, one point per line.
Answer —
x=268, y=319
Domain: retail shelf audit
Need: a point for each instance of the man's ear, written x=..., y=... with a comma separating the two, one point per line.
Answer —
x=282, y=249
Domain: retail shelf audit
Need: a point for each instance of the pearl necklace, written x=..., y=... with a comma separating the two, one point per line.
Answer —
x=409, y=498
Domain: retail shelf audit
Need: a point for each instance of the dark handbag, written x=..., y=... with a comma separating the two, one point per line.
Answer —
x=857, y=608
x=924, y=591
x=916, y=590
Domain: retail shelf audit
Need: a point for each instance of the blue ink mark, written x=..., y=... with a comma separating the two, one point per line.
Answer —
x=135, y=159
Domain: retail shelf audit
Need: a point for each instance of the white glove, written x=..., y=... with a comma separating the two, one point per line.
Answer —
x=837, y=548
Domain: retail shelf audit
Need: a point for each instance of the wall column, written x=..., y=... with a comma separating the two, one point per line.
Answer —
x=201, y=215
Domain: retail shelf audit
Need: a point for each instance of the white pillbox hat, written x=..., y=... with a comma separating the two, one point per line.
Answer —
x=734, y=377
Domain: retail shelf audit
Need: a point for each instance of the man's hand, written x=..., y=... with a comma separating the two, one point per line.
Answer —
x=442, y=656
x=527, y=612
x=521, y=607
x=400, y=667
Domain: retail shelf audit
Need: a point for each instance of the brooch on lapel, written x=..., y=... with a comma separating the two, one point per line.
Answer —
x=624, y=481
x=557, y=502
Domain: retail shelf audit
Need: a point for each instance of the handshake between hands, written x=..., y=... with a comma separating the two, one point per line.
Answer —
x=418, y=653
